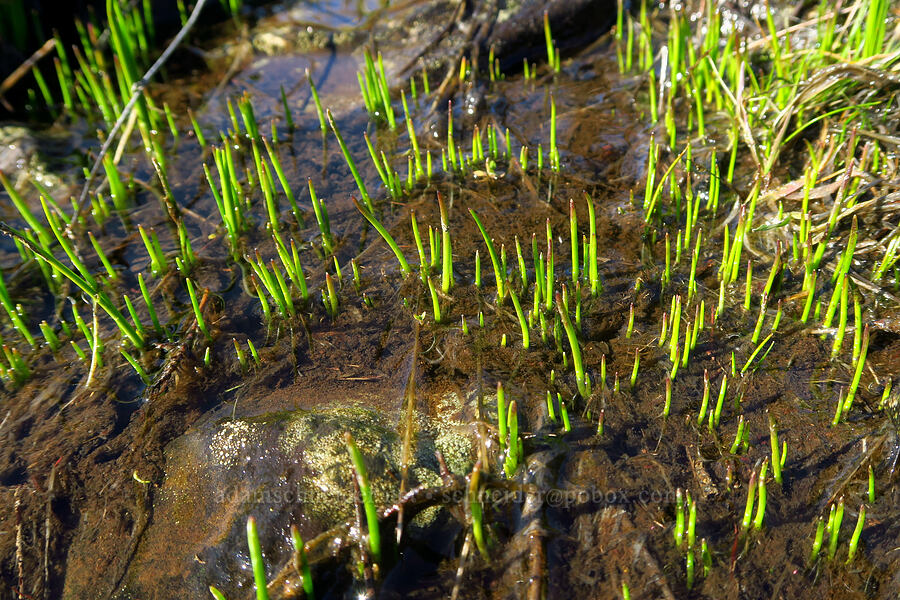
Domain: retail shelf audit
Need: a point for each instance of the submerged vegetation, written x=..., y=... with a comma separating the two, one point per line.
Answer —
x=724, y=280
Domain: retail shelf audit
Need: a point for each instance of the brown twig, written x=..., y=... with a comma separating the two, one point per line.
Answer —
x=406, y=455
x=22, y=69
x=20, y=543
x=461, y=569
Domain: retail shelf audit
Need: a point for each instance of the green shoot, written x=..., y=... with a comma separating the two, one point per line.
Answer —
x=630, y=328
x=435, y=303
x=593, y=275
x=253, y=351
x=22, y=207
x=245, y=106
x=757, y=330
x=857, y=374
x=501, y=415
x=288, y=120
x=330, y=297
x=751, y=496
x=499, y=278
x=136, y=366
x=704, y=404
x=678, y=530
x=134, y=317
x=50, y=336
x=282, y=179
x=157, y=259
x=634, y=370
x=673, y=339
x=523, y=273
x=375, y=90
x=447, y=254
x=512, y=447
x=581, y=379
x=404, y=266
x=350, y=163
x=720, y=401
x=748, y=285
x=739, y=437
x=554, y=151
x=256, y=560
x=321, y=212
x=423, y=262
x=14, y=315
x=523, y=322
x=667, y=406
x=552, y=51
x=551, y=411
x=365, y=490
x=871, y=490
x=755, y=352
x=857, y=532
x=475, y=510
x=315, y=96
x=818, y=539
x=216, y=593
x=301, y=564
x=834, y=527
x=761, y=493
x=113, y=275
x=198, y=314
x=198, y=132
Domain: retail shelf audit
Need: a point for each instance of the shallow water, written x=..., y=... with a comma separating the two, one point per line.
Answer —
x=214, y=444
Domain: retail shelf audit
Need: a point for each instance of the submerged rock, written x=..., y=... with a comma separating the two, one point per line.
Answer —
x=285, y=468
x=17, y=146
x=21, y=158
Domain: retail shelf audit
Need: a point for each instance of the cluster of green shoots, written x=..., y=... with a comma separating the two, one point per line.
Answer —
x=239, y=172
x=768, y=110
x=806, y=230
x=685, y=534
x=552, y=302
x=672, y=199
x=830, y=529
x=258, y=565
x=101, y=82
x=45, y=238
x=508, y=432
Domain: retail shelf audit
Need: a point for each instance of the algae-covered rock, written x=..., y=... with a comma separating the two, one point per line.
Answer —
x=286, y=468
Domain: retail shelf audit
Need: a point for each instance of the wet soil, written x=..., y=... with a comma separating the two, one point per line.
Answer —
x=121, y=490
